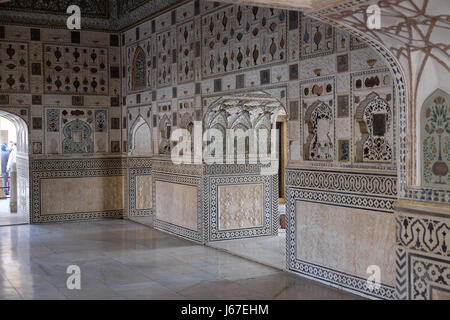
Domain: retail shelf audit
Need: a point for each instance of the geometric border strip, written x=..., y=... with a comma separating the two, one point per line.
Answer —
x=194, y=235
x=270, y=191
x=77, y=164
x=325, y=274
x=344, y=200
x=341, y=279
x=37, y=217
x=375, y=184
x=400, y=273
x=423, y=234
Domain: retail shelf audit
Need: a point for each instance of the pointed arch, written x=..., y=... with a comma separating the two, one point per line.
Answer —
x=140, y=137
x=139, y=70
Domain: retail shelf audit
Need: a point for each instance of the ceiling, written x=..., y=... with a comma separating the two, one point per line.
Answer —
x=95, y=14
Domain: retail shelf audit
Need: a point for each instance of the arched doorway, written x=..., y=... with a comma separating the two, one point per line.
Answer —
x=14, y=200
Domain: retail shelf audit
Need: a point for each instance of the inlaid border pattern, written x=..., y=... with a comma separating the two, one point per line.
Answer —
x=426, y=273
x=270, y=208
x=132, y=175
x=423, y=234
x=137, y=167
x=321, y=273
x=167, y=173
x=37, y=176
x=376, y=192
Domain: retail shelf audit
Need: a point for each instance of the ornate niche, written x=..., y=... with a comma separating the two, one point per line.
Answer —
x=374, y=117
x=165, y=130
x=319, y=144
x=140, y=137
x=139, y=70
x=77, y=137
x=435, y=140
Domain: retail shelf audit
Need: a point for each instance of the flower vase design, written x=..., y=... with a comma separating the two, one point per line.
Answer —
x=435, y=130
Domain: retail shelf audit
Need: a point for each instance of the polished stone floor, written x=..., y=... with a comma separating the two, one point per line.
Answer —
x=270, y=251
x=7, y=218
x=121, y=259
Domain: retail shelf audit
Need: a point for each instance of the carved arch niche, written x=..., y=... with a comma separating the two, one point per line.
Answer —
x=141, y=138
x=435, y=140
x=139, y=70
x=319, y=144
x=374, y=117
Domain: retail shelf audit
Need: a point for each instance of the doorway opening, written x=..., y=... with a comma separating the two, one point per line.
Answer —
x=14, y=190
x=265, y=116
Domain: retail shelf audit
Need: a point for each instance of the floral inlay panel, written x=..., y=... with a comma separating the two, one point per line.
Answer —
x=166, y=42
x=14, y=66
x=75, y=70
x=188, y=48
x=436, y=140
x=317, y=38
x=240, y=206
x=239, y=37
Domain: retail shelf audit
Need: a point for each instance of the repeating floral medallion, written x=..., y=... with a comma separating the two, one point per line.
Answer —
x=239, y=37
x=75, y=70
x=14, y=64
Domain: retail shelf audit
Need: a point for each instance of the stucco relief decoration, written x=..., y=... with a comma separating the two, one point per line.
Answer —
x=14, y=66
x=78, y=137
x=256, y=110
x=240, y=207
x=319, y=143
x=239, y=37
x=374, y=118
x=75, y=70
x=436, y=139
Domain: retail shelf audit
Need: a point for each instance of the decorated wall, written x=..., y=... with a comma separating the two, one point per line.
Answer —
x=339, y=97
x=66, y=86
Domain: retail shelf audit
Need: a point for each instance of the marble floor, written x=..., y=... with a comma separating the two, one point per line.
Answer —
x=121, y=259
x=7, y=218
x=269, y=251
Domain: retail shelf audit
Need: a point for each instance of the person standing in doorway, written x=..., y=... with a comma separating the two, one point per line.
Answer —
x=4, y=158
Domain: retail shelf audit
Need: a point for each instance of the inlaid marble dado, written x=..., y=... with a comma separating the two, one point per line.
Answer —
x=240, y=206
x=143, y=192
x=176, y=204
x=346, y=239
x=89, y=194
